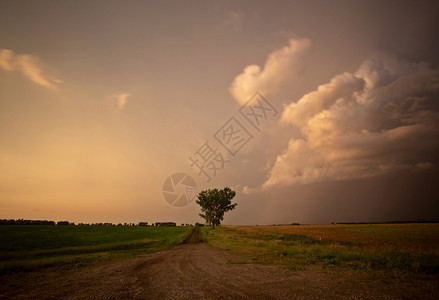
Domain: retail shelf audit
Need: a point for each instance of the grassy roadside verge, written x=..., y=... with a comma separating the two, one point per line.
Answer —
x=30, y=248
x=370, y=247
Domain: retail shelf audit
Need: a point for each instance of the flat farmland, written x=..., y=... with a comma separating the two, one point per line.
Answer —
x=377, y=261
x=396, y=247
x=34, y=247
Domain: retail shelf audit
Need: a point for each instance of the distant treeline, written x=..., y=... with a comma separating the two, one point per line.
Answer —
x=25, y=222
x=67, y=223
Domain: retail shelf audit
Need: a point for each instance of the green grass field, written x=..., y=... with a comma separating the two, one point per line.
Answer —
x=386, y=247
x=33, y=247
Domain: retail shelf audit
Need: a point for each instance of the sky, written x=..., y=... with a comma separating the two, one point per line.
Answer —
x=312, y=111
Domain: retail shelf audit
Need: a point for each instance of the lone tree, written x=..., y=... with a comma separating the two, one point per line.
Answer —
x=214, y=203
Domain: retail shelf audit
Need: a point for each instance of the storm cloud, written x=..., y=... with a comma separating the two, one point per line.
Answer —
x=380, y=119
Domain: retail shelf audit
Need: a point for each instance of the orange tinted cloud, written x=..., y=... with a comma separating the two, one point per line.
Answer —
x=122, y=99
x=30, y=66
x=281, y=65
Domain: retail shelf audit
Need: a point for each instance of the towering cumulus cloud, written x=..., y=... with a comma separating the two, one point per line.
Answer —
x=281, y=65
x=382, y=118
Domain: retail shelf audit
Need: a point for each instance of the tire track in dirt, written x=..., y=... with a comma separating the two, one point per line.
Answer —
x=195, y=270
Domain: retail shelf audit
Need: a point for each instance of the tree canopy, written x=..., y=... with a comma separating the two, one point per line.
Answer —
x=214, y=203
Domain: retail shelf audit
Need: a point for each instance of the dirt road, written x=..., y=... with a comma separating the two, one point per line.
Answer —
x=195, y=270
